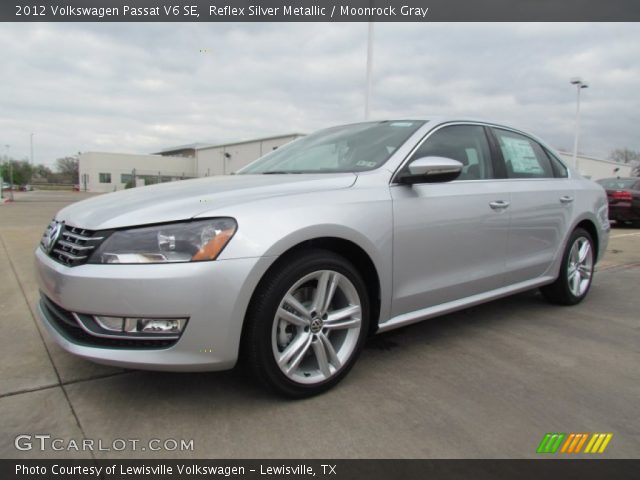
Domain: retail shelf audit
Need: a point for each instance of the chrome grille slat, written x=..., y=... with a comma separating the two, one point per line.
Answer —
x=69, y=255
x=76, y=236
x=73, y=245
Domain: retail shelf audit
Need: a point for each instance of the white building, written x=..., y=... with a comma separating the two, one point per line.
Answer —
x=596, y=168
x=107, y=172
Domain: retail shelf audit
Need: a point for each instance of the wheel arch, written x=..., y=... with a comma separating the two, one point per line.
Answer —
x=351, y=251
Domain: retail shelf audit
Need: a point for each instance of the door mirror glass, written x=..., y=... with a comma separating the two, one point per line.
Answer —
x=431, y=170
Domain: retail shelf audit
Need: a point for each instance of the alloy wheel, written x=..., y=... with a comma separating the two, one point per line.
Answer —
x=316, y=327
x=580, y=266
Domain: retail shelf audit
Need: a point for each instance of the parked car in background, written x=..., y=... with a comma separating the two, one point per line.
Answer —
x=26, y=188
x=291, y=263
x=623, y=195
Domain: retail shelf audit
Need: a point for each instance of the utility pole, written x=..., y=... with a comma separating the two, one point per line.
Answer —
x=31, y=144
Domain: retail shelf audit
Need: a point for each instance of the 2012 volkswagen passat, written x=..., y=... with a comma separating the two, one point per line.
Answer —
x=292, y=262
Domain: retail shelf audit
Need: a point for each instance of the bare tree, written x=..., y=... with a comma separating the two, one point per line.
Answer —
x=624, y=155
x=69, y=167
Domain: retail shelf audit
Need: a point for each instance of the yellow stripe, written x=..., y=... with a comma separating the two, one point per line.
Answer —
x=591, y=442
x=596, y=445
x=584, y=439
x=567, y=442
x=575, y=442
x=605, y=443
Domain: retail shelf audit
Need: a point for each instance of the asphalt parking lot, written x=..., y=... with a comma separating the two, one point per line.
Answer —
x=487, y=382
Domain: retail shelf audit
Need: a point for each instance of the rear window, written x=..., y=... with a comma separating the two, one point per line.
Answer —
x=618, y=183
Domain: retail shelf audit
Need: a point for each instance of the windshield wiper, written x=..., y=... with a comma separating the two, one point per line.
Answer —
x=279, y=172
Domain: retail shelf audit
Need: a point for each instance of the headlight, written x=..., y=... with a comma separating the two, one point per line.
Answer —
x=194, y=241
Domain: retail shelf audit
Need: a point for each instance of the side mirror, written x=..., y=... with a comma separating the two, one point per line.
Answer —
x=431, y=170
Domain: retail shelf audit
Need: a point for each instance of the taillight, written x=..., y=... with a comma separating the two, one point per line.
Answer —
x=621, y=195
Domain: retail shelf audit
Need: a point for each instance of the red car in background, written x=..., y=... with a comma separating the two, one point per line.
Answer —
x=624, y=199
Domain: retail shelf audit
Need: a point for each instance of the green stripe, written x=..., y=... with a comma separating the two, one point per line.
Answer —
x=558, y=442
x=543, y=443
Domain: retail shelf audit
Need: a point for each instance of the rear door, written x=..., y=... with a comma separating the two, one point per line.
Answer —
x=541, y=205
x=450, y=238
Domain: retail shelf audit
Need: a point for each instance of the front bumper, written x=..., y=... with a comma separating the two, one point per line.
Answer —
x=212, y=295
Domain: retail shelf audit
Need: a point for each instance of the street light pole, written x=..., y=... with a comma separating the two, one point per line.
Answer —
x=580, y=84
x=367, y=93
x=31, y=144
x=10, y=173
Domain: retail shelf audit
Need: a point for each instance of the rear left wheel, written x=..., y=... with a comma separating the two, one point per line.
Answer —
x=576, y=272
x=307, y=323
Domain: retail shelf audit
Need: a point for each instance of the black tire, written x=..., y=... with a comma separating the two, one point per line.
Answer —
x=257, y=346
x=559, y=292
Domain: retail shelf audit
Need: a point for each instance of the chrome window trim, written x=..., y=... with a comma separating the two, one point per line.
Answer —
x=439, y=126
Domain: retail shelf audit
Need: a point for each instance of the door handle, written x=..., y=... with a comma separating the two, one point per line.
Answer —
x=499, y=205
x=566, y=199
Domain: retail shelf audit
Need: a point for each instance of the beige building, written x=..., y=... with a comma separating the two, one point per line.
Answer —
x=225, y=159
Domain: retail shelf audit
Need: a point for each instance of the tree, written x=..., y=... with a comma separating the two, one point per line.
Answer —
x=42, y=171
x=22, y=172
x=624, y=155
x=69, y=167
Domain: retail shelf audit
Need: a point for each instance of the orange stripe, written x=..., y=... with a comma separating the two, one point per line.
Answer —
x=584, y=439
x=575, y=442
x=567, y=442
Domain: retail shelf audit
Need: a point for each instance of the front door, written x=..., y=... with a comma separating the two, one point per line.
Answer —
x=450, y=239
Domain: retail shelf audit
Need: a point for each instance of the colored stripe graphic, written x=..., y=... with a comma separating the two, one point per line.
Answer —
x=598, y=443
x=550, y=443
x=572, y=443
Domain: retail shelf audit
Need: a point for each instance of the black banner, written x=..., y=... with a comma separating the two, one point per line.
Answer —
x=319, y=10
x=542, y=469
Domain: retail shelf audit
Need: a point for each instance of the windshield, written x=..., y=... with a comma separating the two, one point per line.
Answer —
x=349, y=148
x=617, y=183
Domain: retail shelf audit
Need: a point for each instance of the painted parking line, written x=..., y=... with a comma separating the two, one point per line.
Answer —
x=637, y=234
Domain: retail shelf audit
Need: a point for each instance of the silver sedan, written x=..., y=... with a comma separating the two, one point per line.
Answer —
x=291, y=263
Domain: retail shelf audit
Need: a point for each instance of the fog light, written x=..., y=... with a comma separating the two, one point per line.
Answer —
x=167, y=326
x=154, y=325
x=113, y=324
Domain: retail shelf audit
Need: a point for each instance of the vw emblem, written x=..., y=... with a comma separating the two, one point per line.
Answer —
x=51, y=235
x=316, y=325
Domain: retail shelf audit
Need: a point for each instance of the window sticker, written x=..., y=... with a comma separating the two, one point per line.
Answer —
x=521, y=155
x=365, y=163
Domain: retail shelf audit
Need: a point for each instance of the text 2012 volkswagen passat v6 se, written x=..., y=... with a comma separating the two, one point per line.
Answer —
x=292, y=262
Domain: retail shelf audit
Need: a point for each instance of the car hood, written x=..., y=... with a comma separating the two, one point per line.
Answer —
x=185, y=199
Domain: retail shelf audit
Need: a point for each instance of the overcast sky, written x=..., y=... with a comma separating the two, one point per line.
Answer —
x=139, y=88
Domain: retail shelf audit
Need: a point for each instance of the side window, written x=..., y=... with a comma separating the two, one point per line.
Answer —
x=523, y=157
x=466, y=143
x=559, y=170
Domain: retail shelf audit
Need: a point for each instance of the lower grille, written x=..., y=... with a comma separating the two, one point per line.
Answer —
x=66, y=324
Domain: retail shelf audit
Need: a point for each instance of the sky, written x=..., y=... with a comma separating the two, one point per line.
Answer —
x=139, y=88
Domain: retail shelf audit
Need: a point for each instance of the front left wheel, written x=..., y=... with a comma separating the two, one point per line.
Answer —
x=306, y=323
